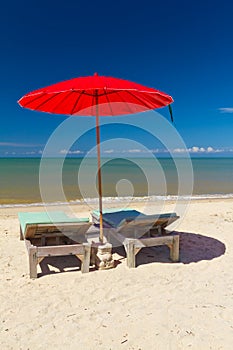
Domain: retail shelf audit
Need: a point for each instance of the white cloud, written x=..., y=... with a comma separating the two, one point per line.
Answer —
x=109, y=151
x=196, y=149
x=226, y=110
x=65, y=151
x=10, y=153
x=133, y=151
x=192, y=150
x=155, y=150
x=179, y=150
x=208, y=149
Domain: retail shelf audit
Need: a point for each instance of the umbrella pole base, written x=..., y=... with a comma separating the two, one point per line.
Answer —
x=101, y=256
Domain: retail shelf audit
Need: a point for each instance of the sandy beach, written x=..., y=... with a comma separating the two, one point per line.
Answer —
x=158, y=305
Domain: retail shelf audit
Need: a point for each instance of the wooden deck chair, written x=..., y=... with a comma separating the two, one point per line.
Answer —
x=54, y=234
x=135, y=230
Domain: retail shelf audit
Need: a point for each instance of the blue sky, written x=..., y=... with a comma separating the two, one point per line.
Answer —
x=183, y=48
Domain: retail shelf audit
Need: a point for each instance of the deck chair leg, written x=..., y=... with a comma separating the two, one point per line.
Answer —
x=21, y=234
x=33, y=262
x=86, y=258
x=174, y=250
x=130, y=253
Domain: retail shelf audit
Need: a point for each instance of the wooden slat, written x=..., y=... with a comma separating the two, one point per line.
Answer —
x=35, y=230
x=86, y=258
x=21, y=234
x=33, y=261
x=28, y=244
x=153, y=241
x=147, y=222
x=174, y=251
x=130, y=250
x=74, y=249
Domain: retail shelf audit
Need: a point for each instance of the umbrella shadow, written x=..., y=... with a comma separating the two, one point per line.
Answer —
x=193, y=248
x=197, y=247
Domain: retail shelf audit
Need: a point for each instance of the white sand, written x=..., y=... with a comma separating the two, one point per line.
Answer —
x=158, y=305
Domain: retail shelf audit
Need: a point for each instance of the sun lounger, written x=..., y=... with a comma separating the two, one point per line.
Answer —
x=54, y=234
x=135, y=230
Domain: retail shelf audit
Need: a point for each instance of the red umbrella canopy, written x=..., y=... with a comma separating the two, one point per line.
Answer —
x=81, y=96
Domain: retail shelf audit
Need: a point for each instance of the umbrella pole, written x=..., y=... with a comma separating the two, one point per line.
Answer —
x=101, y=237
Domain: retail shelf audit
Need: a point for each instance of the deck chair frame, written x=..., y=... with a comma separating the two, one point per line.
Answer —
x=127, y=234
x=38, y=238
x=133, y=245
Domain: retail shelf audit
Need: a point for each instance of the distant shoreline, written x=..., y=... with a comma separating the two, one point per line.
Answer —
x=122, y=200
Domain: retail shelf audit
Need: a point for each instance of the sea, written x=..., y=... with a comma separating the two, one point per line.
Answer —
x=22, y=180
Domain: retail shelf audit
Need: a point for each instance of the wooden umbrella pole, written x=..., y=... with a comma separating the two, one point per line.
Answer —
x=101, y=237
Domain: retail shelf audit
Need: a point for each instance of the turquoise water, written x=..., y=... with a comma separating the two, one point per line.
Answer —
x=19, y=178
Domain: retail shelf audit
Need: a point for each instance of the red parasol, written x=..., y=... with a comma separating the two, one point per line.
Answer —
x=95, y=96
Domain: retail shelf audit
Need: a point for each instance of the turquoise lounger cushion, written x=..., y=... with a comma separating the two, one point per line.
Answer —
x=46, y=218
x=114, y=218
x=117, y=218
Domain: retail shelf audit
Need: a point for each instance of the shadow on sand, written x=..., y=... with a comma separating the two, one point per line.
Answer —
x=193, y=248
x=61, y=263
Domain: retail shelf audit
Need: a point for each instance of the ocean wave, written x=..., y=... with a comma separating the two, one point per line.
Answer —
x=122, y=200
